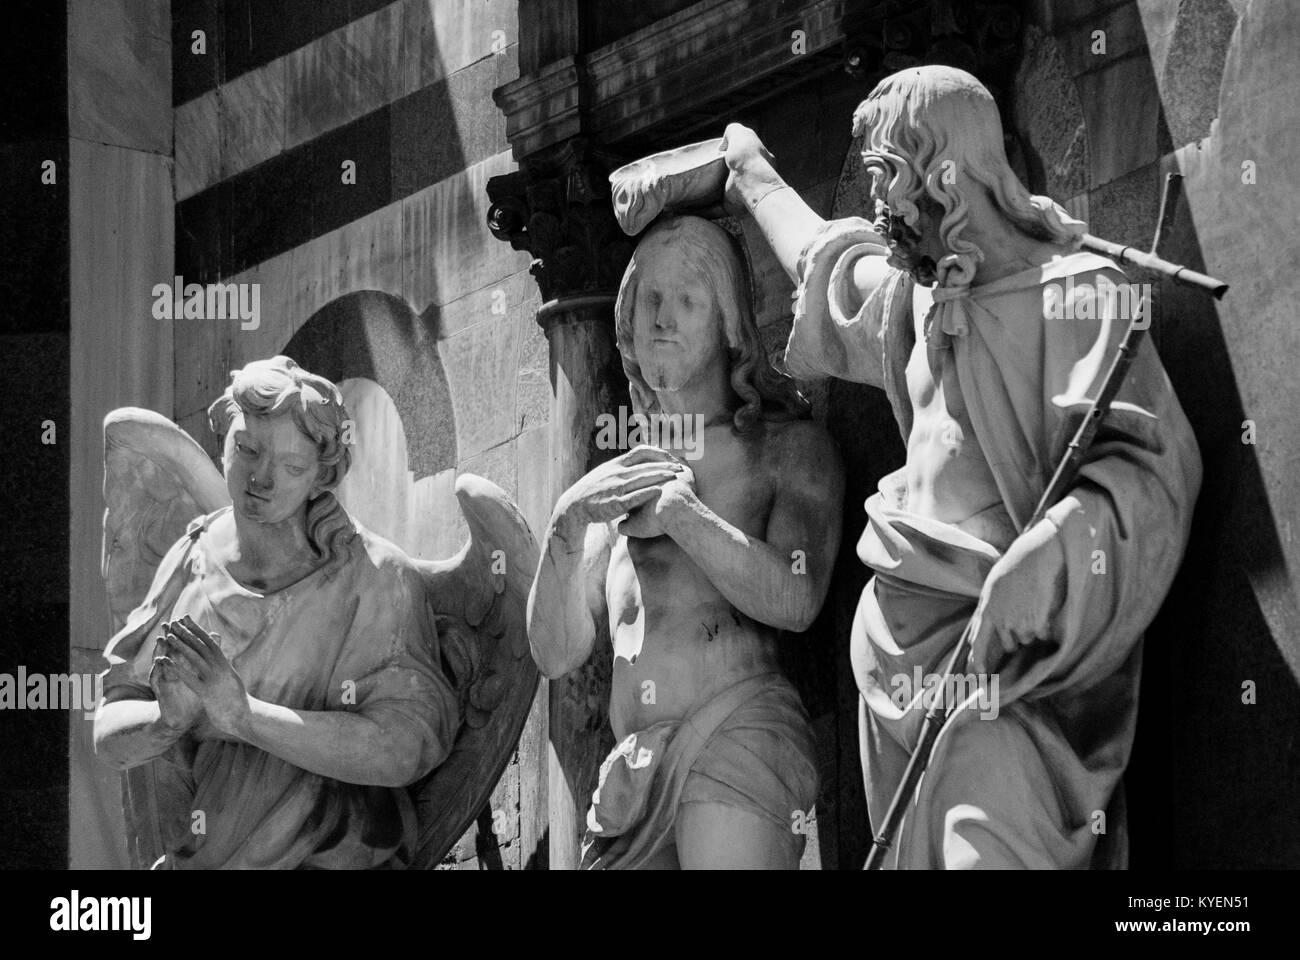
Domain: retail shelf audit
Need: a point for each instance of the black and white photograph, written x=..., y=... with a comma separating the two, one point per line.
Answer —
x=653, y=435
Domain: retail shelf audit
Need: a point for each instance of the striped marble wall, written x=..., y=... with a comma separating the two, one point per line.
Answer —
x=336, y=154
x=120, y=228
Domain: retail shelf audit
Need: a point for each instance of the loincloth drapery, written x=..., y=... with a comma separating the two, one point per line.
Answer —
x=749, y=747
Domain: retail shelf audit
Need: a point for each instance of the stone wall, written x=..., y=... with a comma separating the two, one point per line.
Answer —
x=1110, y=98
x=120, y=199
x=337, y=155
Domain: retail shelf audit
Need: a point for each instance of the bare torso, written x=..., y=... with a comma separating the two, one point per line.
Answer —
x=947, y=475
x=677, y=640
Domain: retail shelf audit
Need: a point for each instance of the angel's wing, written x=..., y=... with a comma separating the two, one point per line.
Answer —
x=156, y=480
x=478, y=598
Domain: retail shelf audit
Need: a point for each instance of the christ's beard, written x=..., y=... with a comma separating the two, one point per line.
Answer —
x=905, y=254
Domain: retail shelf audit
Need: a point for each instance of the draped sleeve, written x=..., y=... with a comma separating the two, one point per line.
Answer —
x=1125, y=521
x=838, y=327
x=389, y=668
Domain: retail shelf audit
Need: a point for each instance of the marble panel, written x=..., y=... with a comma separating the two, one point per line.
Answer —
x=1101, y=38
x=442, y=36
x=195, y=74
x=500, y=301
x=450, y=251
x=533, y=478
x=252, y=118
x=120, y=205
x=1048, y=118
x=119, y=73
x=198, y=144
x=497, y=465
x=1192, y=72
x=533, y=397
x=447, y=126
x=344, y=75
x=480, y=362
x=1121, y=140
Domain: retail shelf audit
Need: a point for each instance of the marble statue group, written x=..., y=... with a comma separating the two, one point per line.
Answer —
x=317, y=695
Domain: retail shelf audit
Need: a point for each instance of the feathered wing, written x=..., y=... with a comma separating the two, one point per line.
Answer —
x=156, y=480
x=478, y=599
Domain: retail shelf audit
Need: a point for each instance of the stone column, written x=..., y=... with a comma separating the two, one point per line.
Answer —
x=557, y=208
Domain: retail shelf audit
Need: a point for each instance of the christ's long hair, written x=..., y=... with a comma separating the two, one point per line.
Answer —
x=764, y=392
x=934, y=131
x=278, y=386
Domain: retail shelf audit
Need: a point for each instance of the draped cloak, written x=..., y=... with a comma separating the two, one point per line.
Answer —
x=355, y=635
x=1039, y=785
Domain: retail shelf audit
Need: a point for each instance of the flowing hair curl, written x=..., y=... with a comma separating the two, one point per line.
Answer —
x=278, y=386
x=934, y=132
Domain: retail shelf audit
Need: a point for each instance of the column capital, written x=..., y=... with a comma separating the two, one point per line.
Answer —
x=557, y=207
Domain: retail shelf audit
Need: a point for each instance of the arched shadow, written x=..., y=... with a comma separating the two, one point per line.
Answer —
x=378, y=336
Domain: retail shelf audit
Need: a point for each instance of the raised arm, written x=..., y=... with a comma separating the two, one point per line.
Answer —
x=787, y=222
x=779, y=579
x=847, y=290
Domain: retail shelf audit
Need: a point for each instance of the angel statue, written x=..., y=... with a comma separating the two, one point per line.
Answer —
x=286, y=688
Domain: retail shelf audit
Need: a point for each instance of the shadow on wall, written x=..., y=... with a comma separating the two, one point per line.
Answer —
x=1215, y=773
x=378, y=336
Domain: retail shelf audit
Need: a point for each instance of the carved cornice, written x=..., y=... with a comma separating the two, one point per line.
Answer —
x=542, y=109
x=707, y=51
x=689, y=73
x=705, y=63
x=557, y=207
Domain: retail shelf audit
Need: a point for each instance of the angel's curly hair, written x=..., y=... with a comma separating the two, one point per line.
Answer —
x=278, y=386
x=933, y=132
x=763, y=391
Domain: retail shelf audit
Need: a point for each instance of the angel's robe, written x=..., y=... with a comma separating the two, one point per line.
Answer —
x=354, y=635
x=1040, y=784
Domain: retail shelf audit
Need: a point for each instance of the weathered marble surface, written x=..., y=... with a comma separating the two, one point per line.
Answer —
x=119, y=73
x=254, y=117
x=122, y=354
x=344, y=74
x=442, y=233
x=1046, y=101
x=197, y=144
x=481, y=363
